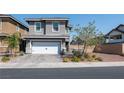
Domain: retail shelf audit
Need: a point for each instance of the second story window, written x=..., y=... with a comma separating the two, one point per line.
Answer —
x=0, y=23
x=55, y=26
x=17, y=28
x=37, y=26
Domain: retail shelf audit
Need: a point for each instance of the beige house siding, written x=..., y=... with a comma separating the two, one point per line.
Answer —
x=4, y=25
x=3, y=49
x=9, y=27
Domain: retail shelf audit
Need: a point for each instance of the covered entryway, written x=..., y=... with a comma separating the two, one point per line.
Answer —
x=40, y=47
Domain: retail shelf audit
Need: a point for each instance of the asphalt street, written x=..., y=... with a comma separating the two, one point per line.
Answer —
x=63, y=73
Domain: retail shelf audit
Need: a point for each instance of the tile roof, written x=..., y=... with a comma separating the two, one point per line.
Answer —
x=46, y=18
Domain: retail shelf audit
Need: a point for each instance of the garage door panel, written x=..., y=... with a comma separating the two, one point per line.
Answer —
x=36, y=50
x=45, y=48
x=45, y=43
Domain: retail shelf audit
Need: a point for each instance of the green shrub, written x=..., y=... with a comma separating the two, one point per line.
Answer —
x=90, y=59
x=5, y=58
x=93, y=56
x=82, y=59
x=66, y=59
x=87, y=56
x=99, y=59
x=75, y=59
x=21, y=53
x=77, y=53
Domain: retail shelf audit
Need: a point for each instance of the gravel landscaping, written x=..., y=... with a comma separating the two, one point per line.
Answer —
x=110, y=57
x=28, y=58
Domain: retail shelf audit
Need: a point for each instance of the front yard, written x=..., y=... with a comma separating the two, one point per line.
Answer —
x=94, y=57
x=110, y=57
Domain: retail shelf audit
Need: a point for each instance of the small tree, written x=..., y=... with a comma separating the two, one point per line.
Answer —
x=13, y=42
x=89, y=35
x=75, y=32
x=77, y=41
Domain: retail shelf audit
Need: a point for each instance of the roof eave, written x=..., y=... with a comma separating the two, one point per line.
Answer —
x=43, y=37
x=45, y=19
x=9, y=16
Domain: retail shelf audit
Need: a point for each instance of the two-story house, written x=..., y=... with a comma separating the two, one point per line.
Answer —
x=116, y=35
x=8, y=26
x=47, y=35
x=114, y=42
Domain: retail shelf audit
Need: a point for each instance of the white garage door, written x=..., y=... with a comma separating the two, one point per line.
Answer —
x=45, y=47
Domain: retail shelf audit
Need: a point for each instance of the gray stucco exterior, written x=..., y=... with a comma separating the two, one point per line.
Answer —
x=47, y=34
x=46, y=28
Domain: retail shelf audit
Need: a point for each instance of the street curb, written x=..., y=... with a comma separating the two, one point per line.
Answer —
x=61, y=65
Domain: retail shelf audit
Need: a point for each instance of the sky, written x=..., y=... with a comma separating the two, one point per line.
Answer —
x=103, y=22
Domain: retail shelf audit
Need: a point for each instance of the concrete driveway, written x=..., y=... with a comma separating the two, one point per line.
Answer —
x=37, y=58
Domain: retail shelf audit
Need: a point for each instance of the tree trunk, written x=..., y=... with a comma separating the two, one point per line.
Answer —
x=12, y=52
x=84, y=48
x=78, y=46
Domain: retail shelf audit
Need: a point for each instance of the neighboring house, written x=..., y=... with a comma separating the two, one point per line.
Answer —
x=47, y=35
x=116, y=35
x=114, y=42
x=8, y=26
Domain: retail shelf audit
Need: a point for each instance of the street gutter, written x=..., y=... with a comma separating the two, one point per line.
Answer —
x=61, y=65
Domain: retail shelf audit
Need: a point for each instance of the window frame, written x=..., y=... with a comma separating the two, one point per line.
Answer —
x=1, y=24
x=117, y=37
x=58, y=26
x=17, y=28
x=36, y=27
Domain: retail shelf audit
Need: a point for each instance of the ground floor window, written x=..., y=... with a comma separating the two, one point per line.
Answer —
x=115, y=37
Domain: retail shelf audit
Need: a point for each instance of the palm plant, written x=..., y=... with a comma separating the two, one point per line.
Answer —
x=13, y=42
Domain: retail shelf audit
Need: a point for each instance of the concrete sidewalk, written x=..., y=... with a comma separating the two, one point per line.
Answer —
x=61, y=65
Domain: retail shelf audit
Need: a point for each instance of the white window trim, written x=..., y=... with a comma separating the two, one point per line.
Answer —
x=35, y=27
x=1, y=24
x=116, y=35
x=58, y=27
x=17, y=28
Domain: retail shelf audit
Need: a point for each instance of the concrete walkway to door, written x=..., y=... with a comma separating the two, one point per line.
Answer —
x=37, y=58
